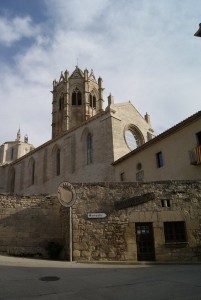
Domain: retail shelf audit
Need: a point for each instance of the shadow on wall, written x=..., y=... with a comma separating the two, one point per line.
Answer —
x=31, y=232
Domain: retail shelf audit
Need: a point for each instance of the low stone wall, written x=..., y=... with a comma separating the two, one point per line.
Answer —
x=39, y=226
x=30, y=226
x=114, y=237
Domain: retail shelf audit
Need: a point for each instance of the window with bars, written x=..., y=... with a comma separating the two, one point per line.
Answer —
x=175, y=232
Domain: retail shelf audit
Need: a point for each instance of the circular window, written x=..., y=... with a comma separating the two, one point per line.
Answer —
x=131, y=139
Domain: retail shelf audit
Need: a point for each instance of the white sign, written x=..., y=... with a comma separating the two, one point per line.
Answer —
x=66, y=194
x=96, y=215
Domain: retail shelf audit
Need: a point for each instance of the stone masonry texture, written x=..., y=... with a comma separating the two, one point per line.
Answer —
x=39, y=226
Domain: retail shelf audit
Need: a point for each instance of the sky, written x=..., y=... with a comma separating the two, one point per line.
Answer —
x=144, y=50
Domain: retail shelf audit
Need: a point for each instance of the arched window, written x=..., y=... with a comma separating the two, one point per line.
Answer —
x=76, y=97
x=32, y=171
x=58, y=162
x=61, y=102
x=92, y=102
x=89, y=149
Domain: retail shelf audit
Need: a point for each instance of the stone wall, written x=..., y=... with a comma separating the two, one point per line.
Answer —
x=30, y=226
x=113, y=237
x=38, y=226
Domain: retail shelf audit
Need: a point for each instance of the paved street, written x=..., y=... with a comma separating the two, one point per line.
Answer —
x=39, y=279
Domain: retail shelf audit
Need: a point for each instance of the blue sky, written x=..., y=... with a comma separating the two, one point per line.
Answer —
x=144, y=50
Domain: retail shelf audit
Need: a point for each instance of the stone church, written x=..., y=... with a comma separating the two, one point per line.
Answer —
x=86, y=139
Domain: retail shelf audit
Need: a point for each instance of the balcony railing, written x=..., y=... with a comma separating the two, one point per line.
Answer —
x=195, y=156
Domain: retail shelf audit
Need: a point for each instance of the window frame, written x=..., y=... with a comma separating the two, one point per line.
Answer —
x=175, y=232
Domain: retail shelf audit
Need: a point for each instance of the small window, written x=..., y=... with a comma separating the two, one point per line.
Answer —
x=198, y=135
x=175, y=232
x=165, y=203
x=122, y=176
x=159, y=159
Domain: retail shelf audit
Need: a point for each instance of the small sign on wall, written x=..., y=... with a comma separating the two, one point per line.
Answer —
x=99, y=215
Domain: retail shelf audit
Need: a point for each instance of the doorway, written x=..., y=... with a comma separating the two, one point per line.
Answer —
x=145, y=241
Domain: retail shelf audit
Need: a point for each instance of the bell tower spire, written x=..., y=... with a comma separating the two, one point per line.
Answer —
x=18, y=135
x=76, y=98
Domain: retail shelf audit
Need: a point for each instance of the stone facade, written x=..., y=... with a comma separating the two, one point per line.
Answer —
x=76, y=98
x=109, y=222
x=30, y=226
x=114, y=237
x=82, y=148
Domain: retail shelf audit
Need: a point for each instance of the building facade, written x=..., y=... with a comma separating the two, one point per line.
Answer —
x=86, y=139
x=173, y=155
x=121, y=221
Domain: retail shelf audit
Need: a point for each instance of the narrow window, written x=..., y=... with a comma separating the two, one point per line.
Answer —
x=159, y=159
x=58, y=162
x=33, y=172
x=122, y=176
x=79, y=98
x=175, y=232
x=12, y=154
x=76, y=97
x=92, y=101
x=89, y=149
x=61, y=103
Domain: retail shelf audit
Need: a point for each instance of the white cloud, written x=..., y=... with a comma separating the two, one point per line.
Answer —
x=144, y=51
x=76, y=14
x=15, y=29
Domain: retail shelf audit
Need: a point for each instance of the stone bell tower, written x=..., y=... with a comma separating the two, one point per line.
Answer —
x=76, y=98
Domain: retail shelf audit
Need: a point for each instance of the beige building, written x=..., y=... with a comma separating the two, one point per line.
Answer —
x=173, y=155
x=86, y=139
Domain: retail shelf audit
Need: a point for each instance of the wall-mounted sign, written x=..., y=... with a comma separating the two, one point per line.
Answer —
x=96, y=215
x=66, y=194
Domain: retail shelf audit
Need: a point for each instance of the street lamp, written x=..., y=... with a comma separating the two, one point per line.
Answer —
x=198, y=33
